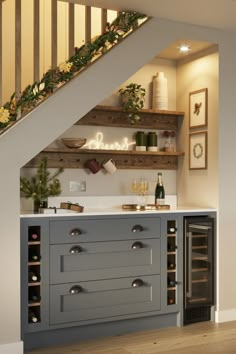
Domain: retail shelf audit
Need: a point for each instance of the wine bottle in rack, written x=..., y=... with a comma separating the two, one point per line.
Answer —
x=170, y=300
x=33, y=235
x=171, y=283
x=33, y=277
x=32, y=317
x=171, y=265
x=171, y=247
x=34, y=257
x=34, y=297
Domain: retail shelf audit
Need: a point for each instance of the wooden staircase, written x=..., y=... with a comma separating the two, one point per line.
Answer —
x=61, y=69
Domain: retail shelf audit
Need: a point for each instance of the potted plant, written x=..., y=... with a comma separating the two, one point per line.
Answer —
x=169, y=134
x=133, y=96
x=41, y=186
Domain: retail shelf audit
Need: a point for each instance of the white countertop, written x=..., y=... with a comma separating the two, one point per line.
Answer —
x=112, y=205
x=119, y=211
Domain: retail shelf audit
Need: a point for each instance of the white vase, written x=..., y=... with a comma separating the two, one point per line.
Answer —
x=160, y=92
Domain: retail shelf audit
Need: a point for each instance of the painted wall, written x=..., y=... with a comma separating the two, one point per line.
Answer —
x=199, y=187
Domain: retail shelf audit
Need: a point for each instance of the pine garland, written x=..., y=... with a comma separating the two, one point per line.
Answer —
x=126, y=22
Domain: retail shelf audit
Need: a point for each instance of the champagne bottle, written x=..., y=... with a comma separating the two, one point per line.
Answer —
x=33, y=277
x=32, y=317
x=159, y=191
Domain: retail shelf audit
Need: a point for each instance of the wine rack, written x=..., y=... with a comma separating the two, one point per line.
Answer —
x=34, y=274
x=171, y=262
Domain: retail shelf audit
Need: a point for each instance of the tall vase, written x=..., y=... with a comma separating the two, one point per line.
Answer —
x=160, y=92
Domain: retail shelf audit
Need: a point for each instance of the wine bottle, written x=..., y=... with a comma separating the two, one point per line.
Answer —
x=32, y=317
x=171, y=283
x=159, y=191
x=171, y=265
x=171, y=248
x=34, y=257
x=171, y=301
x=33, y=277
x=33, y=297
x=33, y=236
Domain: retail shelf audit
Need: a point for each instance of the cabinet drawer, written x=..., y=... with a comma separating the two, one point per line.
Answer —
x=102, y=260
x=105, y=298
x=88, y=230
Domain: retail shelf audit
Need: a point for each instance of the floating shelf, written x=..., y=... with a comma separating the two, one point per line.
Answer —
x=115, y=117
x=75, y=158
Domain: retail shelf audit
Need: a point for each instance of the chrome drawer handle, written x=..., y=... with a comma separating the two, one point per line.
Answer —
x=76, y=249
x=137, y=228
x=137, y=245
x=75, y=232
x=76, y=289
x=137, y=283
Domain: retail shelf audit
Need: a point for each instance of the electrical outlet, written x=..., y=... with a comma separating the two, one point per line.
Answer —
x=83, y=186
x=74, y=186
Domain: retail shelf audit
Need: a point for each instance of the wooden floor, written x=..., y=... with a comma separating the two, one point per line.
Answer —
x=200, y=338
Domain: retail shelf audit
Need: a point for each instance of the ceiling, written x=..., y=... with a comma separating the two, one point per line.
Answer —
x=219, y=14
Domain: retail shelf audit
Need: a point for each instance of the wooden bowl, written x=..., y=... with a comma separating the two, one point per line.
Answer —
x=74, y=143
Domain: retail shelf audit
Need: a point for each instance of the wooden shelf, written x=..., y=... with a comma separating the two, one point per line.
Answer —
x=115, y=117
x=129, y=159
x=32, y=243
x=34, y=304
x=32, y=263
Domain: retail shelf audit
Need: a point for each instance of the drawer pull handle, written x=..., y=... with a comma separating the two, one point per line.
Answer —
x=137, y=228
x=75, y=232
x=76, y=249
x=137, y=283
x=76, y=289
x=137, y=245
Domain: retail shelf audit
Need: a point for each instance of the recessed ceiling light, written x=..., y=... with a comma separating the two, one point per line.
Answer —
x=184, y=48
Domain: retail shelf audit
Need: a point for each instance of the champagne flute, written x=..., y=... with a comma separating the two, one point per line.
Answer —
x=135, y=188
x=143, y=189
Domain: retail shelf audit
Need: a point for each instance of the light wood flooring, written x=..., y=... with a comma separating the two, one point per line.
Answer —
x=200, y=338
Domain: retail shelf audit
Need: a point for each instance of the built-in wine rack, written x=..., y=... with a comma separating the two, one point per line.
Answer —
x=34, y=274
x=171, y=262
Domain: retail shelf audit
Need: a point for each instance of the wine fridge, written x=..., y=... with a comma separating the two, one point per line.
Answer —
x=198, y=268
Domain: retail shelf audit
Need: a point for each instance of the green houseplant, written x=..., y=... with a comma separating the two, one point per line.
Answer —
x=133, y=96
x=42, y=185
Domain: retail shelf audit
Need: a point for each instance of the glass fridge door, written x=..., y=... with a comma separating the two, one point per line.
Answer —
x=198, y=262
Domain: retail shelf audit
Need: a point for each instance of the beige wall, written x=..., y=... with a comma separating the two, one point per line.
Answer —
x=199, y=187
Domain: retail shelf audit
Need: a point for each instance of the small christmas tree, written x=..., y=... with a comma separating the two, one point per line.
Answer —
x=42, y=185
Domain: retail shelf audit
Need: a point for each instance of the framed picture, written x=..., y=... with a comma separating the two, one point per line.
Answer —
x=198, y=108
x=198, y=151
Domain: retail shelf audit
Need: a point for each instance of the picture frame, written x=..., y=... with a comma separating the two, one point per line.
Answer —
x=198, y=150
x=198, y=108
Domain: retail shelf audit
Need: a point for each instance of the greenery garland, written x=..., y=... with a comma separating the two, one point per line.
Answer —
x=126, y=22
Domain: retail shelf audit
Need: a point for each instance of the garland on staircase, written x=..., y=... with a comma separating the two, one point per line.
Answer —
x=20, y=105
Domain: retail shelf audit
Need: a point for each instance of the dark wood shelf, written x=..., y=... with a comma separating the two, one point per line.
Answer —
x=115, y=117
x=75, y=158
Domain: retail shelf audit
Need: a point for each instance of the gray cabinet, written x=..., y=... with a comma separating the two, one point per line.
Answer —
x=98, y=270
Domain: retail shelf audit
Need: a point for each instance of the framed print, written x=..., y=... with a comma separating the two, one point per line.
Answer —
x=198, y=151
x=198, y=108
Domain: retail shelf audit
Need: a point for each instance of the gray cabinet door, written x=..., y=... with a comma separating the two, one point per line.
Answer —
x=102, y=260
x=103, y=299
x=89, y=230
